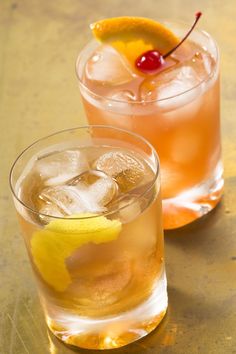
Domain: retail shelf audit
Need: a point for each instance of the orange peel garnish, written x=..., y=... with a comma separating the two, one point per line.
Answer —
x=132, y=36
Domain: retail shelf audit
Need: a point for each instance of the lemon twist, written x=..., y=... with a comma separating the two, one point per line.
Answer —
x=61, y=237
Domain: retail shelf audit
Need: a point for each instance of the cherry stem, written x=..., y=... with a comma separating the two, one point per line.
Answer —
x=198, y=15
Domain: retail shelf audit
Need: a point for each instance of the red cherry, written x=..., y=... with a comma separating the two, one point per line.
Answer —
x=149, y=61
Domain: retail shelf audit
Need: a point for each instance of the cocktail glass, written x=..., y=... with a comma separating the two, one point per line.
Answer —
x=182, y=121
x=100, y=275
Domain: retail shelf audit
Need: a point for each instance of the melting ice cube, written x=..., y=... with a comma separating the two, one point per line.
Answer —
x=50, y=210
x=107, y=66
x=126, y=169
x=57, y=168
x=99, y=185
x=123, y=95
x=174, y=84
x=88, y=193
x=66, y=199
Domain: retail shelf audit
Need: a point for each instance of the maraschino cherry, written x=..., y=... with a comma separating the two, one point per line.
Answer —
x=150, y=61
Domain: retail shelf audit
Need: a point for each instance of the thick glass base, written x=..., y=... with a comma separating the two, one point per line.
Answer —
x=194, y=202
x=115, y=331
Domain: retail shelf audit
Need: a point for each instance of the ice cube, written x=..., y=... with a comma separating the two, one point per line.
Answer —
x=50, y=210
x=99, y=185
x=57, y=168
x=88, y=192
x=126, y=169
x=203, y=64
x=70, y=200
x=107, y=289
x=129, y=209
x=176, y=82
x=148, y=89
x=171, y=83
x=62, y=197
x=129, y=205
x=108, y=67
x=102, y=280
x=123, y=95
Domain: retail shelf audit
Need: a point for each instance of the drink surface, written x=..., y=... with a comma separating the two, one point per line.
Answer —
x=108, y=74
x=109, y=262
x=177, y=110
x=84, y=180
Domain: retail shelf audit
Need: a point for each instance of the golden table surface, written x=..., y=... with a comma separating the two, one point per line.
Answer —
x=39, y=42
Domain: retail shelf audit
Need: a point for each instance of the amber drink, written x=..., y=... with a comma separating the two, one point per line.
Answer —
x=177, y=110
x=89, y=205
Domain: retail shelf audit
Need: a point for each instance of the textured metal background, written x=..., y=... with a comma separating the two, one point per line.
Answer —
x=39, y=42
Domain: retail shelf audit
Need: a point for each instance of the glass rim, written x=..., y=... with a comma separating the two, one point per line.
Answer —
x=83, y=127
x=141, y=102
